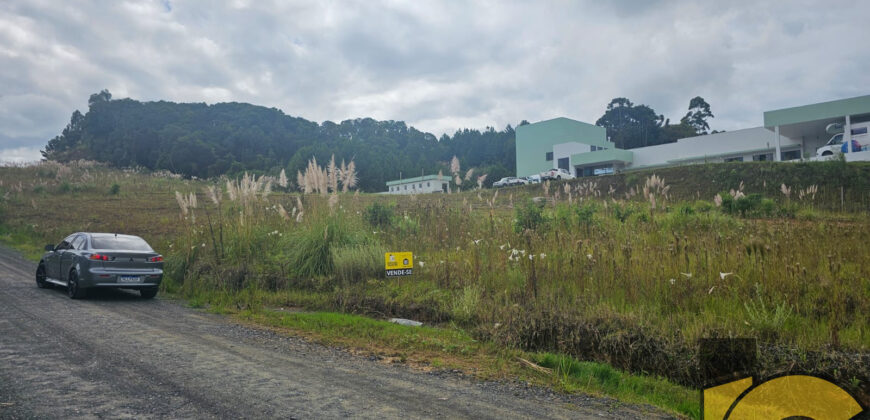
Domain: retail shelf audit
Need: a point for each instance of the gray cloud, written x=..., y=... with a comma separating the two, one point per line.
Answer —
x=438, y=66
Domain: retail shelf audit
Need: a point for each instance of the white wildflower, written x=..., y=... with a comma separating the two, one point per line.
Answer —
x=672, y=281
x=723, y=275
x=687, y=275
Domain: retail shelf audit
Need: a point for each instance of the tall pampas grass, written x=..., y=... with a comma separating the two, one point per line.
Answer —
x=282, y=179
x=332, y=178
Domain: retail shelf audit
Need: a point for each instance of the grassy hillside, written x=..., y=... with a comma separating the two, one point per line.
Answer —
x=592, y=270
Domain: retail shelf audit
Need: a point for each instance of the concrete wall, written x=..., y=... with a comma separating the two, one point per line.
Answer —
x=712, y=147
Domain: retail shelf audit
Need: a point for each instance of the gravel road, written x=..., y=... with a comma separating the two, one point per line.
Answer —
x=117, y=356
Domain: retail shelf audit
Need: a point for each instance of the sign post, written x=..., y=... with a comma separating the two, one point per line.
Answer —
x=399, y=263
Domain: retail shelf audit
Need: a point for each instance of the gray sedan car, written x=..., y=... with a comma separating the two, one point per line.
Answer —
x=83, y=261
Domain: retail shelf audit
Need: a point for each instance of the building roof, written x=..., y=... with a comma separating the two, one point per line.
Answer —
x=820, y=111
x=565, y=130
x=444, y=178
x=603, y=156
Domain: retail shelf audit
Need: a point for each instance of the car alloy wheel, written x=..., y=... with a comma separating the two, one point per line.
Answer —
x=72, y=286
x=40, y=277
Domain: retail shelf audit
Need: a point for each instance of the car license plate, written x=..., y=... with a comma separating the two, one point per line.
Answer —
x=129, y=279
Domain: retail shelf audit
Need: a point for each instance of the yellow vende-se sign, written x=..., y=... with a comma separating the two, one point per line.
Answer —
x=399, y=263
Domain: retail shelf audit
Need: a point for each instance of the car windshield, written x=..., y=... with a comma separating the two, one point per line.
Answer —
x=836, y=139
x=128, y=243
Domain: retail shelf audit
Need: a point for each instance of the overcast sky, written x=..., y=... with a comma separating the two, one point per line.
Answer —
x=438, y=66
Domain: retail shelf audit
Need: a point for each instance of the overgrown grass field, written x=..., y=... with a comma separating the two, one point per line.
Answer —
x=629, y=270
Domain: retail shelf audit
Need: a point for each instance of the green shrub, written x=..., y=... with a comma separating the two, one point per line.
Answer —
x=703, y=206
x=685, y=208
x=356, y=263
x=638, y=217
x=115, y=189
x=749, y=204
x=529, y=216
x=309, y=250
x=752, y=205
x=789, y=210
x=623, y=211
x=174, y=268
x=408, y=225
x=465, y=304
x=727, y=203
x=64, y=188
x=586, y=214
x=378, y=215
x=563, y=216
x=807, y=214
x=767, y=207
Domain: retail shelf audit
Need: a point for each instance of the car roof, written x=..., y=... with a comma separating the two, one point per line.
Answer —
x=110, y=234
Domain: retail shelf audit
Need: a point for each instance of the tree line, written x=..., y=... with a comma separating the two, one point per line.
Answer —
x=196, y=139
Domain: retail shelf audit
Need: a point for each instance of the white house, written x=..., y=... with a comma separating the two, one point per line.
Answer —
x=419, y=185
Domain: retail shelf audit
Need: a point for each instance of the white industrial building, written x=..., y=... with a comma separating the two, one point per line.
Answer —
x=788, y=134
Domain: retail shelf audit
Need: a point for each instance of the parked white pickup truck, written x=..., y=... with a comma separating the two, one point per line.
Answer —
x=860, y=138
x=556, y=174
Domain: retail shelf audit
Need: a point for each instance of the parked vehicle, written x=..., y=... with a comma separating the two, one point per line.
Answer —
x=83, y=261
x=556, y=173
x=508, y=182
x=533, y=179
x=860, y=140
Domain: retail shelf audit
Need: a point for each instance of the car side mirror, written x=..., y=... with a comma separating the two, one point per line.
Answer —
x=49, y=248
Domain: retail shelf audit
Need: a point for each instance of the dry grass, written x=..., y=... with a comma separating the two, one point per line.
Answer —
x=607, y=273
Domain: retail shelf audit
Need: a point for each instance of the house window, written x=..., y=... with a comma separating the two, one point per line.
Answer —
x=428, y=184
x=762, y=157
x=421, y=185
x=563, y=163
x=406, y=188
x=734, y=159
x=549, y=156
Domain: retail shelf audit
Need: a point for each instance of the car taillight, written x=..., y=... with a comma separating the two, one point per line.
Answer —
x=99, y=257
x=158, y=258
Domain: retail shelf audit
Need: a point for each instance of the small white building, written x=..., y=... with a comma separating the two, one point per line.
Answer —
x=419, y=185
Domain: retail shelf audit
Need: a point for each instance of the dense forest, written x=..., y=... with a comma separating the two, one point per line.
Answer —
x=196, y=139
